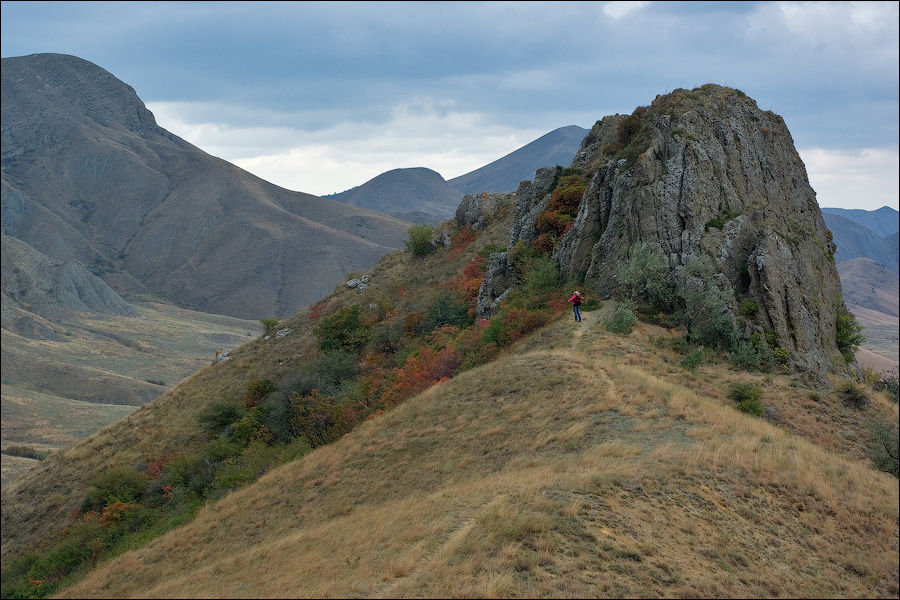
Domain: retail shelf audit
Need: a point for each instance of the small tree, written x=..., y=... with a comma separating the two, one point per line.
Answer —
x=270, y=324
x=848, y=333
x=644, y=277
x=420, y=240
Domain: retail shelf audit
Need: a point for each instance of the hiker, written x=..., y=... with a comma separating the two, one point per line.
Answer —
x=576, y=303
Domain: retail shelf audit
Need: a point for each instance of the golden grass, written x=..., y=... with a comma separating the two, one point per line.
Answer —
x=543, y=474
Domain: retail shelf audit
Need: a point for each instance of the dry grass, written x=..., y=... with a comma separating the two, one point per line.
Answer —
x=585, y=471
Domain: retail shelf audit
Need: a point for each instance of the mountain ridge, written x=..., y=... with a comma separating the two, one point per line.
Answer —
x=150, y=212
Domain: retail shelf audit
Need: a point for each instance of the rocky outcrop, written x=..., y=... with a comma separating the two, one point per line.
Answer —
x=531, y=199
x=497, y=282
x=705, y=172
x=46, y=287
x=477, y=210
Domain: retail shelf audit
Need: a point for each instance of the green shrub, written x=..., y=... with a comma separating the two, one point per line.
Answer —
x=119, y=484
x=325, y=373
x=257, y=390
x=747, y=397
x=220, y=415
x=885, y=454
x=644, y=278
x=445, y=309
x=848, y=333
x=271, y=326
x=854, y=395
x=591, y=304
x=420, y=240
x=889, y=384
x=705, y=307
x=746, y=356
x=692, y=360
x=748, y=307
x=343, y=330
x=622, y=320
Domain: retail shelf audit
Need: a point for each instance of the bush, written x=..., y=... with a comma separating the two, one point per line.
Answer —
x=706, y=307
x=746, y=356
x=889, y=384
x=445, y=309
x=747, y=398
x=271, y=326
x=119, y=484
x=748, y=307
x=848, y=333
x=344, y=330
x=886, y=451
x=257, y=390
x=420, y=240
x=590, y=304
x=644, y=278
x=622, y=320
x=220, y=415
x=854, y=395
x=692, y=360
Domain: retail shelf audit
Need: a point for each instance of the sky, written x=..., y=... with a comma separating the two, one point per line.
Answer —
x=321, y=97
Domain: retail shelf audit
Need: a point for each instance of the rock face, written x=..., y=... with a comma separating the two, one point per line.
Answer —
x=477, y=210
x=705, y=172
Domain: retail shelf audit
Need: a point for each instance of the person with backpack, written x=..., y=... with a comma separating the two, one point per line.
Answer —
x=576, y=303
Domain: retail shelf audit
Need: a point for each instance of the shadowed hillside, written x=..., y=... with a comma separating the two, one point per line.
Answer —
x=857, y=241
x=505, y=174
x=883, y=221
x=406, y=193
x=88, y=175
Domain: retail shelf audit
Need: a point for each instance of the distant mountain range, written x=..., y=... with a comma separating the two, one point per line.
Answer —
x=883, y=221
x=504, y=174
x=416, y=194
x=423, y=196
x=867, y=263
x=854, y=239
x=89, y=177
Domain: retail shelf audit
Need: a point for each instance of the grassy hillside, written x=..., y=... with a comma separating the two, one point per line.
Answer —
x=521, y=456
x=97, y=369
x=580, y=464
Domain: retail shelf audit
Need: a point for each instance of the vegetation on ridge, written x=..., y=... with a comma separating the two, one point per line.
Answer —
x=414, y=327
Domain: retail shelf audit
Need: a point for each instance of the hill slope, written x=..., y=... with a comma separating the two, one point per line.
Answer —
x=506, y=173
x=857, y=241
x=88, y=175
x=883, y=222
x=405, y=192
x=517, y=455
x=578, y=463
x=565, y=468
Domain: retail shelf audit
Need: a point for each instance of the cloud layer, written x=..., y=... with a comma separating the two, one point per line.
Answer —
x=323, y=96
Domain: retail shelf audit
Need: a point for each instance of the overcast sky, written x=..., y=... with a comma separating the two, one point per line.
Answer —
x=321, y=97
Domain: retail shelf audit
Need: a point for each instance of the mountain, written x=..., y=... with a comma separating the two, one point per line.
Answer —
x=871, y=293
x=884, y=221
x=392, y=445
x=858, y=241
x=505, y=174
x=414, y=194
x=423, y=196
x=88, y=176
x=869, y=284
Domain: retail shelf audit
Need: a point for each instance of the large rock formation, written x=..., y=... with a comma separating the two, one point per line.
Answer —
x=704, y=172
